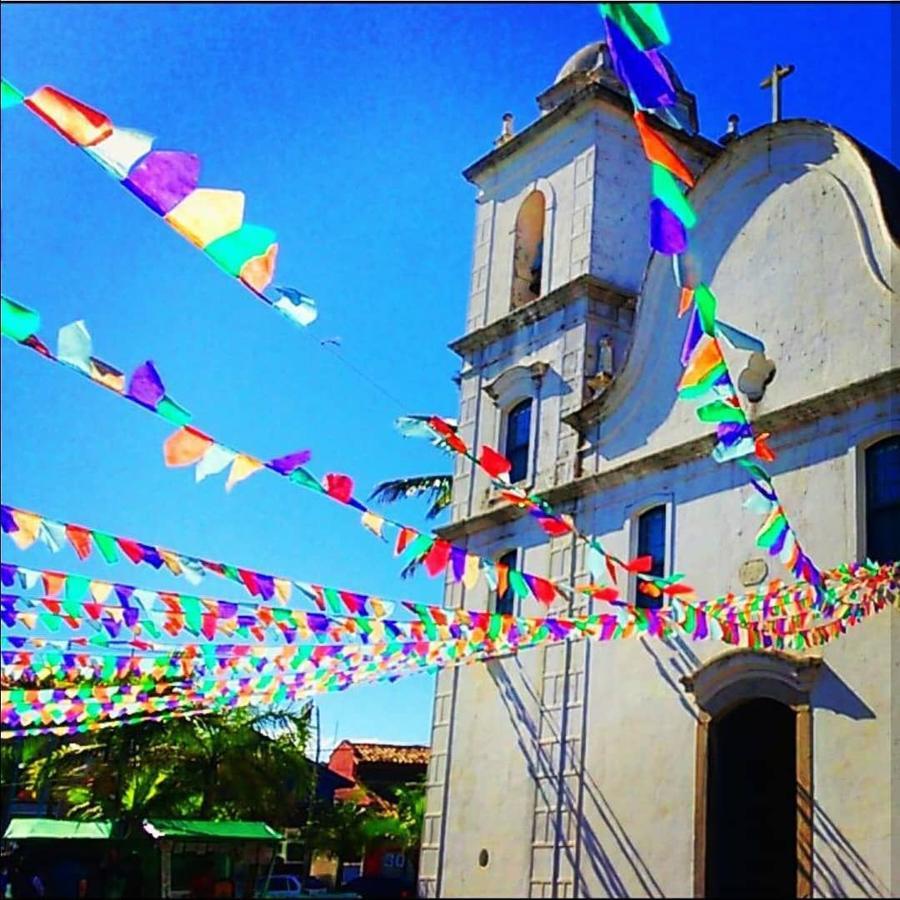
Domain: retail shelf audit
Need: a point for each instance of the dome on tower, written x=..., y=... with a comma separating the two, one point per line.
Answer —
x=583, y=60
x=593, y=63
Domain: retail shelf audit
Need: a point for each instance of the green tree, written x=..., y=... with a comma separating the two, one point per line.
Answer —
x=243, y=764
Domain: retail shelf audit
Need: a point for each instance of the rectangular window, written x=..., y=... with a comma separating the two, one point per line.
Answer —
x=652, y=542
x=883, y=500
x=518, y=440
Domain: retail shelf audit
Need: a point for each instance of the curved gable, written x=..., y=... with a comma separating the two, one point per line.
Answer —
x=794, y=241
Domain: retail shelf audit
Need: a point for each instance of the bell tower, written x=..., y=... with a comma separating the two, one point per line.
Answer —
x=561, y=244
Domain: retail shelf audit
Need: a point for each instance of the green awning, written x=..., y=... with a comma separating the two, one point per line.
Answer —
x=57, y=829
x=185, y=829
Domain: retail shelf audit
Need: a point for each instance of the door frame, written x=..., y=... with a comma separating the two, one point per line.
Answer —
x=728, y=680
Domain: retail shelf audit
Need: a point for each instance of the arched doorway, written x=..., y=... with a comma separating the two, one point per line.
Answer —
x=751, y=818
x=753, y=776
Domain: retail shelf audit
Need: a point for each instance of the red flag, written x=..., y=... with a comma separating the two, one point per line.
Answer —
x=437, y=557
x=404, y=536
x=543, y=590
x=249, y=580
x=641, y=564
x=80, y=539
x=339, y=486
x=493, y=463
x=763, y=450
x=554, y=527
x=131, y=549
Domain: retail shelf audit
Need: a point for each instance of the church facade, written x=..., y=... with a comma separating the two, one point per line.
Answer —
x=668, y=768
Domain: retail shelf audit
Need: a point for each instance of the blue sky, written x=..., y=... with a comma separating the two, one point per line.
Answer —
x=347, y=127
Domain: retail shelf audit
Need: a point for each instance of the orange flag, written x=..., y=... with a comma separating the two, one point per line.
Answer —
x=658, y=151
x=704, y=361
x=186, y=446
x=76, y=122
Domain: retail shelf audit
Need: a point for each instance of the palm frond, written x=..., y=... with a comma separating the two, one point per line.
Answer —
x=437, y=489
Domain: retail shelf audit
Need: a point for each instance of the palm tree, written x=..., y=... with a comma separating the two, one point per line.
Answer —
x=243, y=764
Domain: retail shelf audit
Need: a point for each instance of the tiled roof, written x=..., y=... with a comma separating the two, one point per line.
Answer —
x=401, y=754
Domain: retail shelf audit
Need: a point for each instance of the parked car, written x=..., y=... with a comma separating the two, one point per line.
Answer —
x=372, y=887
x=280, y=887
x=291, y=887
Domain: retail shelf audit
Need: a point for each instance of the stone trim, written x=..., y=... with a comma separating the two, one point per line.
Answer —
x=779, y=420
x=583, y=286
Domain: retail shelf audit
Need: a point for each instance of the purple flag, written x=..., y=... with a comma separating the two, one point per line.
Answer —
x=458, y=562
x=642, y=72
x=163, y=178
x=266, y=585
x=123, y=592
x=8, y=574
x=151, y=555
x=286, y=464
x=667, y=234
x=7, y=522
x=145, y=386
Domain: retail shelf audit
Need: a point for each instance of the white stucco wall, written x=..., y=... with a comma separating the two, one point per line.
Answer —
x=600, y=740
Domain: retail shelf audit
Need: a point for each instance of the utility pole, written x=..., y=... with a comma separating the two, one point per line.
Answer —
x=779, y=72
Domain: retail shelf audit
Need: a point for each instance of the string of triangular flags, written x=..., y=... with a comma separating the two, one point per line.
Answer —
x=634, y=33
x=167, y=182
x=336, y=667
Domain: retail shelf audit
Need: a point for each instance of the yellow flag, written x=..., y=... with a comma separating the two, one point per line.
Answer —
x=470, y=574
x=207, y=214
x=283, y=589
x=373, y=522
x=100, y=590
x=28, y=527
x=172, y=561
x=242, y=467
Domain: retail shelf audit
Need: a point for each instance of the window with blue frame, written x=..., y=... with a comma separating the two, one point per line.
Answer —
x=883, y=500
x=506, y=602
x=518, y=440
x=651, y=525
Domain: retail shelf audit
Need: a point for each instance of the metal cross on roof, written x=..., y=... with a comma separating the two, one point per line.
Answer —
x=779, y=72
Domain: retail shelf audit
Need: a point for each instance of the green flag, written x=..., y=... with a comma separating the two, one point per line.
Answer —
x=16, y=321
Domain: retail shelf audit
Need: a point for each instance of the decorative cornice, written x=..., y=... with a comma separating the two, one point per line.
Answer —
x=583, y=286
x=739, y=675
x=803, y=411
x=592, y=92
x=779, y=420
x=536, y=371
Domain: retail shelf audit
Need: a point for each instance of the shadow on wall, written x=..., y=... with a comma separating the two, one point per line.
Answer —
x=563, y=802
x=839, y=870
x=833, y=693
x=682, y=662
x=644, y=391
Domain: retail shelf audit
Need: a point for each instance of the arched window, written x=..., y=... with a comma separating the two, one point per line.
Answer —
x=528, y=255
x=651, y=541
x=883, y=500
x=506, y=600
x=518, y=440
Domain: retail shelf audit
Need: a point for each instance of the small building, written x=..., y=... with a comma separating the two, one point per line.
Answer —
x=375, y=771
x=379, y=767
